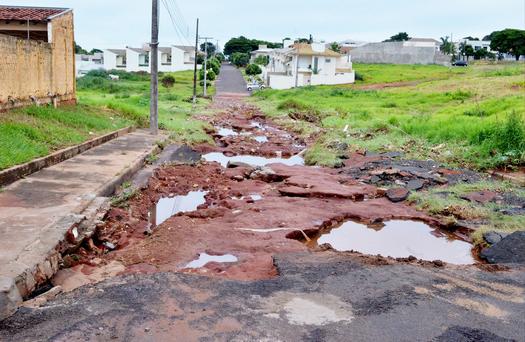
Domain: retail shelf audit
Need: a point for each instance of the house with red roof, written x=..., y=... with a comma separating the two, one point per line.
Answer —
x=37, y=56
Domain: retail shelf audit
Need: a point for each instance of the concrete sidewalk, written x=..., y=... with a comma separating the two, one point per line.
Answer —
x=37, y=212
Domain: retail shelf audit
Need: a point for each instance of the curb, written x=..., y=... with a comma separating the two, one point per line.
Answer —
x=15, y=173
x=48, y=253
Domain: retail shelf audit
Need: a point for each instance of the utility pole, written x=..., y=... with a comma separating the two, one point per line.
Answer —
x=195, y=63
x=154, y=60
x=205, y=63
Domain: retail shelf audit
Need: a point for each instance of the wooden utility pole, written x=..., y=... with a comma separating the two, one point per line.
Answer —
x=195, y=63
x=154, y=60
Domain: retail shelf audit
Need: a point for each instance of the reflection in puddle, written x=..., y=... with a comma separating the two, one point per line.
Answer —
x=265, y=230
x=169, y=206
x=261, y=139
x=254, y=197
x=252, y=160
x=206, y=258
x=399, y=239
x=226, y=132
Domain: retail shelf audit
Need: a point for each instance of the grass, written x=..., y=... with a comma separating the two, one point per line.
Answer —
x=473, y=117
x=104, y=106
x=34, y=132
x=447, y=203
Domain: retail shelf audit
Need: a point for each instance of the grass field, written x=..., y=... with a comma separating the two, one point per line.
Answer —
x=473, y=117
x=104, y=106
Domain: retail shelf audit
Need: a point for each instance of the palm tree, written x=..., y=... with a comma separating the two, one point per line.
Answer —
x=447, y=47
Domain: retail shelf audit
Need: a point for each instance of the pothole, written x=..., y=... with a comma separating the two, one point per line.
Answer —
x=205, y=258
x=261, y=139
x=252, y=160
x=398, y=239
x=226, y=132
x=167, y=207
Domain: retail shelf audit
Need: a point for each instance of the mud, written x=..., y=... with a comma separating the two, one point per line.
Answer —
x=256, y=200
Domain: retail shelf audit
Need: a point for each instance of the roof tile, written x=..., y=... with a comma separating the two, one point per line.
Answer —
x=28, y=13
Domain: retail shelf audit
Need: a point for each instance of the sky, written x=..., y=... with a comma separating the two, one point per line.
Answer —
x=118, y=23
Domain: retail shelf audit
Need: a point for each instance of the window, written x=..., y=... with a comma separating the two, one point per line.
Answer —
x=144, y=60
x=328, y=60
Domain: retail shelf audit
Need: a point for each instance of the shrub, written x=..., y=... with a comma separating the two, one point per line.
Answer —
x=214, y=64
x=168, y=81
x=240, y=59
x=262, y=60
x=292, y=104
x=359, y=77
x=253, y=69
x=210, y=75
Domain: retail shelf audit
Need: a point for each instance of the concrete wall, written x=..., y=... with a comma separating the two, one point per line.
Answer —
x=35, y=70
x=398, y=53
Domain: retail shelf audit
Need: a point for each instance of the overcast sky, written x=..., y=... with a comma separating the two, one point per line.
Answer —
x=117, y=23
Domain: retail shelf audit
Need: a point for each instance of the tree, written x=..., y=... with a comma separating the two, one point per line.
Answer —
x=79, y=50
x=447, y=47
x=211, y=48
x=245, y=45
x=220, y=57
x=262, y=60
x=94, y=51
x=253, y=70
x=400, y=37
x=210, y=75
x=335, y=47
x=214, y=64
x=470, y=38
x=240, y=59
x=511, y=41
x=466, y=50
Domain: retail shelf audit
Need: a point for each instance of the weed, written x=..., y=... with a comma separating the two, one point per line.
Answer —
x=121, y=201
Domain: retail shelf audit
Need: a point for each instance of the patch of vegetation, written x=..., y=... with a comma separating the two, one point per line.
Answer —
x=121, y=200
x=458, y=117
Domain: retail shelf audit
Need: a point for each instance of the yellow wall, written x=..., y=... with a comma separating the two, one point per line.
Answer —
x=38, y=69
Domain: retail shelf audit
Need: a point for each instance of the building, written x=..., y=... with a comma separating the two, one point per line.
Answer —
x=307, y=64
x=37, y=56
x=171, y=58
x=476, y=44
x=86, y=63
x=413, y=51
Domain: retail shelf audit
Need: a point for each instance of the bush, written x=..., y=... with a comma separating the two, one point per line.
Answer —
x=214, y=64
x=240, y=59
x=210, y=75
x=168, y=81
x=253, y=69
x=220, y=57
x=262, y=60
x=359, y=77
x=292, y=104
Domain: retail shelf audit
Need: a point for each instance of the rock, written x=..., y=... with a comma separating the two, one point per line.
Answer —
x=510, y=250
x=481, y=196
x=265, y=174
x=438, y=263
x=236, y=164
x=392, y=154
x=238, y=178
x=415, y=184
x=338, y=145
x=10, y=297
x=493, y=238
x=400, y=182
x=397, y=194
x=185, y=155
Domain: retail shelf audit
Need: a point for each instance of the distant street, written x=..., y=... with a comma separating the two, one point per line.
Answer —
x=230, y=82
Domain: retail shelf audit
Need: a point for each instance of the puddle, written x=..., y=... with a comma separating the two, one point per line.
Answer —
x=256, y=124
x=206, y=258
x=264, y=230
x=252, y=160
x=399, y=239
x=261, y=139
x=226, y=132
x=168, y=206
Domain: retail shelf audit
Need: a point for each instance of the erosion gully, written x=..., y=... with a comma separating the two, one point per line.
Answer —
x=252, y=197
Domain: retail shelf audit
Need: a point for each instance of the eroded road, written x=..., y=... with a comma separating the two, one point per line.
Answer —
x=231, y=249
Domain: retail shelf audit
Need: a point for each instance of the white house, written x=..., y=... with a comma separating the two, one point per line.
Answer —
x=171, y=58
x=423, y=43
x=86, y=63
x=307, y=64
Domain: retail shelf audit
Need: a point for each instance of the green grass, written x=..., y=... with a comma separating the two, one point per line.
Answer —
x=459, y=116
x=34, y=132
x=104, y=106
x=131, y=98
x=451, y=207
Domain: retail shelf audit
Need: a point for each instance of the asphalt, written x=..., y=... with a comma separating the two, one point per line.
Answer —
x=318, y=296
x=230, y=82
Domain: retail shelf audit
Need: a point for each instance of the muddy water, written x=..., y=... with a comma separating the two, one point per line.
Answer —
x=205, y=258
x=252, y=160
x=226, y=132
x=169, y=206
x=399, y=239
x=261, y=139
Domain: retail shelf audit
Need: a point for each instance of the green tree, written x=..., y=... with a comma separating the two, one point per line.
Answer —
x=94, y=51
x=466, y=50
x=245, y=45
x=79, y=50
x=511, y=41
x=447, y=47
x=210, y=75
x=262, y=60
x=335, y=47
x=214, y=64
x=240, y=59
x=220, y=57
x=211, y=48
x=253, y=70
x=400, y=37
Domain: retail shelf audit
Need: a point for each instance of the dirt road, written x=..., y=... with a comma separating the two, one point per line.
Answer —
x=248, y=245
